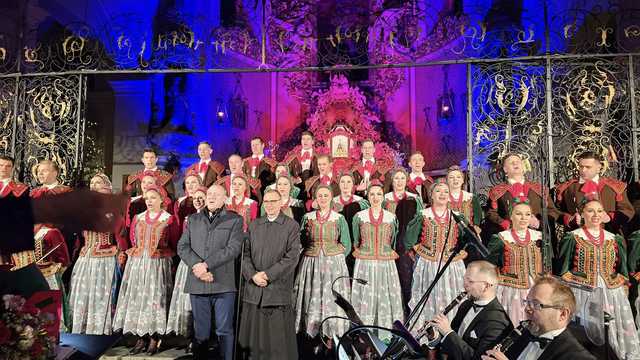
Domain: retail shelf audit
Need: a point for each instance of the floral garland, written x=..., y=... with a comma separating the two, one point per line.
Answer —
x=23, y=333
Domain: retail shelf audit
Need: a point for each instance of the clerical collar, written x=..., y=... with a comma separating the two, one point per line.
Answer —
x=595, y=179
x=512, y=181
x=272, y=219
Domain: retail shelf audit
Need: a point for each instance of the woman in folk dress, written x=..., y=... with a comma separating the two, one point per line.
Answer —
x=240, y=203
x=405, y=205
x=325, y=241
x=379, y=302
x=433, y=235
x=348, y=204
x=595, y=257
x=180, y=320
x=293, y=208
x=282, y=169
x=93, y=281
x=516, y=254
x=183, y=206
x=462, y=201
x=147, y=284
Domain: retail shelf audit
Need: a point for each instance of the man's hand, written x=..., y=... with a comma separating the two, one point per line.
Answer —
x=494, y=354
x=442, y=323
x=534, y=223
x=199, y=269
x=260, y=279
x=206, y=277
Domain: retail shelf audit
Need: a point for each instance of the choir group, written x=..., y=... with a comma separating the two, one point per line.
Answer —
x=376, y=222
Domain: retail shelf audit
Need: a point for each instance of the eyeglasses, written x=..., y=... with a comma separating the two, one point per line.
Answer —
x=477, y=281
x=535, y=305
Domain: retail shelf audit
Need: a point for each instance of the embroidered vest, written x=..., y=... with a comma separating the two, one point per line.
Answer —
x=590, y=260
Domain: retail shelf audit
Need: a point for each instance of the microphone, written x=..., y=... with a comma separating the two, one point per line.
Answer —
x=344, y=303
x=473, y=237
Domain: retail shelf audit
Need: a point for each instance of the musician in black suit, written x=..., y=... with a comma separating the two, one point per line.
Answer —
x=480, y=322
x=549, y=307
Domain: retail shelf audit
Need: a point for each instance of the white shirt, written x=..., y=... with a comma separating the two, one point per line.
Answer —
x=202, y=173
x=471, y=314
x=306, y=165
x=154, y=169
x=595, y=179
x=255, y=168
x=512, y=181
x=533, y=350
x=366, y=173
x=51, y=186
x=272, y=219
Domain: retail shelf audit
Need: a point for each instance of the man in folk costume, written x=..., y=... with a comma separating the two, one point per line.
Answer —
x=258, y=166
x=50, y=239
x=480, y=322
x=502, y=195
x=150, y=162
x=325, y=177
x=235, y=169
x=18, y=272
x=418, y=182
x=549, y=307
x=369, y=168
x=302, y=160
x=611, y=193
x=208, y=170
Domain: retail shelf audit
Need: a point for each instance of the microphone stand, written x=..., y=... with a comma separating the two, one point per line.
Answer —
x=461, y=245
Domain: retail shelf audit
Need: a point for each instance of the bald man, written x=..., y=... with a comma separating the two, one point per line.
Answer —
x=209, y=245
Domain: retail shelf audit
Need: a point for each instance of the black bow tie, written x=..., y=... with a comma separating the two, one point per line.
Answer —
x=543, y=342
x=477, y=307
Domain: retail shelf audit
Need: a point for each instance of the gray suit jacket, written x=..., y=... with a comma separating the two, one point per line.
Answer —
x=216, y=242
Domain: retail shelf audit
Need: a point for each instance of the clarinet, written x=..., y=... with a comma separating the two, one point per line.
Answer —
x=508, y=341
x=429, y=330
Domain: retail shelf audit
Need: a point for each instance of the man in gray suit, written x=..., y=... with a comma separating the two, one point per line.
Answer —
x=209, y=245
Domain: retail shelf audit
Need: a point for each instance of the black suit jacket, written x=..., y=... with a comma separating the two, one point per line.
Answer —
x=563, y=346
x=488, y=328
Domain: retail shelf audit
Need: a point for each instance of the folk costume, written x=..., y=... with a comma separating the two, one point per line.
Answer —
x=94, y=283
x=245, y=207
x=260, y=167
x=501, y=199
x=600, y=260
x=373, y=169
x=302, y=163
x=253, y=191
x=163, y=179
x=432, y=237
x=380, y=301
x=419, y=184
x=468, y=205
x=520, y=261
x=313, y=182
x=405, y=207
x=18, y=273
x=611, y=193
x=143, y=301
x=49, y=240
x=208, y=170
x=325, y=242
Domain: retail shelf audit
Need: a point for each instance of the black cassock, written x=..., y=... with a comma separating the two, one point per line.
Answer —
x=267, y=322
